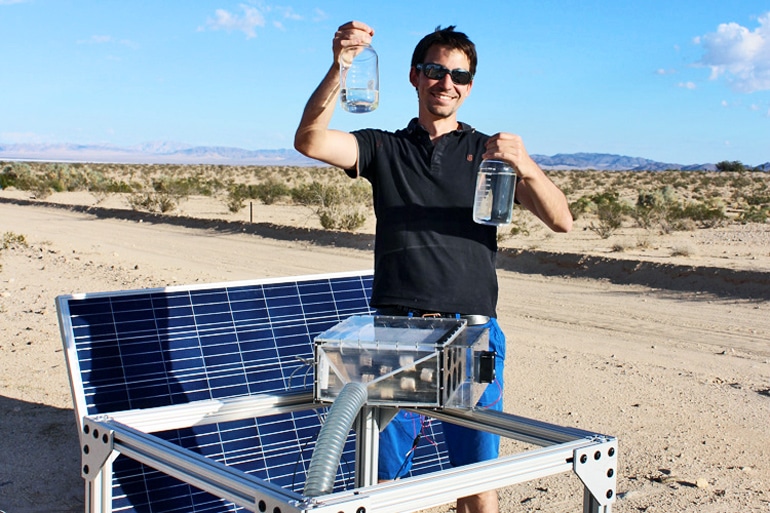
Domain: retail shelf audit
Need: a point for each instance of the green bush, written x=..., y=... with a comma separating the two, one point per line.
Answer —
x=236, y=197
x=652, y=207
x=580, y=207
x=155, y=202
x=754, y=214
x=610, y=212
x=338, y=207
x=272, y=189
x=661, y=209
x=705, y=215
x=757, y=199
x=8, y=178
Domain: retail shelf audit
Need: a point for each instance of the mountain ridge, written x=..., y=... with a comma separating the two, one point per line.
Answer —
x=162, y=152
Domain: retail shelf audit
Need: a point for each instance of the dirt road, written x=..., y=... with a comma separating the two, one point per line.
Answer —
x=682, y=378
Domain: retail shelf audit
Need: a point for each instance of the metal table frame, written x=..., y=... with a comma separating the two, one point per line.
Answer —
x=592, y=456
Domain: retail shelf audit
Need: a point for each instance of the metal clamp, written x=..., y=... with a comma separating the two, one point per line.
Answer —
x=596, y=466
x=96, y=445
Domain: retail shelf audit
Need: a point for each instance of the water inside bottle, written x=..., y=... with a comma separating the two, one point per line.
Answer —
x=359, y=79
x=495, y=190
x=359, y=100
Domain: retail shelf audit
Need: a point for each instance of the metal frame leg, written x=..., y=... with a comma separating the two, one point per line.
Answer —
x=367, y=446
x=596, y=467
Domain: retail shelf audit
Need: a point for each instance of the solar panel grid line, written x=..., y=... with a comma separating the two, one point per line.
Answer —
x=122, y=498
x=193, y=498
x=114, y=330
x=195, y=324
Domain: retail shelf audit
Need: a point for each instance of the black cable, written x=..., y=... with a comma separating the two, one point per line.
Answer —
x=409, y=453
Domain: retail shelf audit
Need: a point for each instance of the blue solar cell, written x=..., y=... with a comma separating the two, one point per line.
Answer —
x=148, y=348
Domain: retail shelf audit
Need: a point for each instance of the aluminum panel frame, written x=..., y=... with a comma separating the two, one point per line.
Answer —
x=563, y=450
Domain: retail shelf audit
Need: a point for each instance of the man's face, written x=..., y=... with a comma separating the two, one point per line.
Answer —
x=441, y=98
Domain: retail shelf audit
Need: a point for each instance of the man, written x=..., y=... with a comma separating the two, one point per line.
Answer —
x=430, y=256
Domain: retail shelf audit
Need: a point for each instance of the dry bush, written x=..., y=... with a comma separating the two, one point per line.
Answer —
x=338, y=207
x=656, y=200
x=12, y=240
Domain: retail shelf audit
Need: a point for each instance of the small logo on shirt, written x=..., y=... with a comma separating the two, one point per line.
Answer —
x=469, y=158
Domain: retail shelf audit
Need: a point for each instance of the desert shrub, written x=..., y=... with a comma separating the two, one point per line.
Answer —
x=580, y=207
x=521, y=225
x=44, y=178
x=684, y=251
x=757, y=199
x=338, y=207
x=341, y=217
x=661, y=209
x=692, y=215
x=272, y=189
x=155, y=202
x=652, y=206
x=705, y=214
x=519, y=229
x=8, y=177
x=754, y=214
x=199, y=184
x=25, y=178
x=308, y=194
x=730, y=166
x=268, y=192
x=610, y=212
x=236, y=197
x=172, y=187
x=13, y=240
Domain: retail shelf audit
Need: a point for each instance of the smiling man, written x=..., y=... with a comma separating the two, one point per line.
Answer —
x=430, y=257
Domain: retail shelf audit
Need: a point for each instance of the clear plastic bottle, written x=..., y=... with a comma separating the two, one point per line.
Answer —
x=359, y=79
x=495, y=190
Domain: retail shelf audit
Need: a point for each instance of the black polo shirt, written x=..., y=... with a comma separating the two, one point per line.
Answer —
x=429, y=253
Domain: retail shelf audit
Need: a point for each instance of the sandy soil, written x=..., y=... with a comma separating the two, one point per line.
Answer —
x=661, y=341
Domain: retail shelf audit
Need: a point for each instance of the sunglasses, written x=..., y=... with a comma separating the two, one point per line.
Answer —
x=437, y=72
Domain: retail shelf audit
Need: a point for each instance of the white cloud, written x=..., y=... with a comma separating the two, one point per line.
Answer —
x=247, y=21
x=250, y=18
x=319, y=15
x=740, y=55
x=687, y=85
x=289, y=13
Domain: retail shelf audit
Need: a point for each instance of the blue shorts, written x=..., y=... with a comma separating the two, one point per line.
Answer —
x=464, y=445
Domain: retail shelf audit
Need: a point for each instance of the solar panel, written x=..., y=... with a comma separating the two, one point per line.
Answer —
x=137, y=349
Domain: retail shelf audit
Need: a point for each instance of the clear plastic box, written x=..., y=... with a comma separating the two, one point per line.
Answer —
x=404, y=361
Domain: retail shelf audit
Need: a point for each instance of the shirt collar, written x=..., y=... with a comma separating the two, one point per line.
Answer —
x=414, y=127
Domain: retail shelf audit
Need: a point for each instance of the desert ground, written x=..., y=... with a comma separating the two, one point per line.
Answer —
x=662, y=341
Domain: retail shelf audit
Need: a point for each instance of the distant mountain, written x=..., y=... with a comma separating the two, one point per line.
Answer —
x=177, y=153
x=154, y=153
x=607, y=162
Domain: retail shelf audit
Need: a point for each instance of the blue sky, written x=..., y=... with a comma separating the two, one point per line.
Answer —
x=676, y=81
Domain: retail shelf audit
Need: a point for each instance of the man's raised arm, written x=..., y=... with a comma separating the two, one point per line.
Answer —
x=314, y=138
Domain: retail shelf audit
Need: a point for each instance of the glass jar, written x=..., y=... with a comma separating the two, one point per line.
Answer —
x=359, y=79
x=495, y=190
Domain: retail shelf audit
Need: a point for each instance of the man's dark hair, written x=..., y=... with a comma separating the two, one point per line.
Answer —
x=446, y=37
